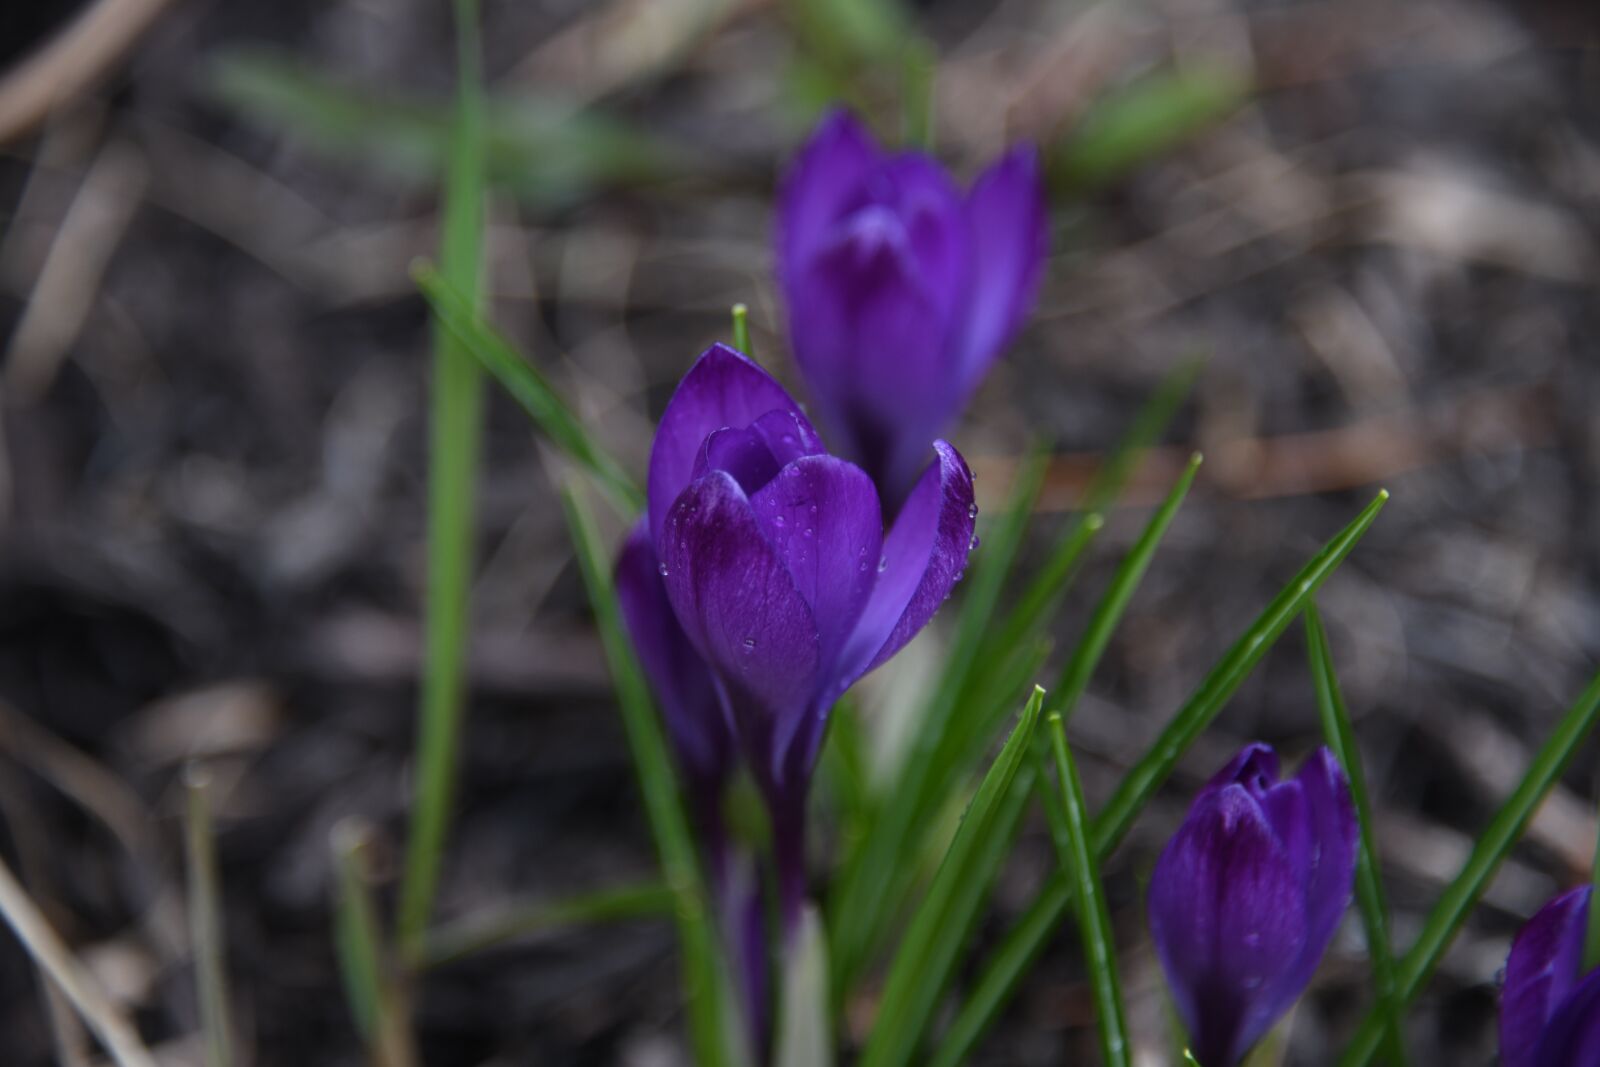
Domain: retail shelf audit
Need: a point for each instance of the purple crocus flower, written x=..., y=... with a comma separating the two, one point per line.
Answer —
x=776, y=562
x=1549, y=1009
x=1247, y=894
x=902, y=290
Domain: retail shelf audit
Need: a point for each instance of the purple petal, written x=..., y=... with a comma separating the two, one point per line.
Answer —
x=722, y=389
x=1331, y=877
x=924, y=556
x=1572, y=1037
x=1540, y=974
x=678, y=676
x=1010, y=228
x=742, y=611
x=742, y=453
x=823, y=183
x=933, y=217
x=1227, y=914
x=821, y=517
x=1255, y=767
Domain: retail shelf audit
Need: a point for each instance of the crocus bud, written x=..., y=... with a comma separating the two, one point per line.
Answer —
x=901, y=289
x=775, y=561
x=1549, y=1009
x=1247, y=895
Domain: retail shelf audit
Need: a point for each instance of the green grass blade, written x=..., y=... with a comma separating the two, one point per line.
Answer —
x=1146, y=119
x=1369, y=884
x=526, y=385
x=1496, y=842
x=1108, y=612
x=455, y=439
x=1094, y=920
x=478, y=933
x=1027, y=939
x=927, y=954
x=538, y=148
x=741, y=330
x=860, y=907
x=205, y=919
x=375, y=1000
x=703, y=985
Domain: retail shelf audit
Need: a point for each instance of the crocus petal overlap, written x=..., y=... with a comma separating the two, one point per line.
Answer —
x=1549, y=1011
x=901, y=290
x=1246, y=896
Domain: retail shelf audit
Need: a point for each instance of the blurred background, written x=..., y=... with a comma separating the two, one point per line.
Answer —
x=1379, y=224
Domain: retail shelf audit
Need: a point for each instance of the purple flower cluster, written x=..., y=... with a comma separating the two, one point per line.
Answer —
x=1549, y=1008
x=1247, y=895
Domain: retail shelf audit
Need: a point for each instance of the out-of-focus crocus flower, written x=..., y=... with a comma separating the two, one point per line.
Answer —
x=1248, y=893
x=902, y=290
x=776, y=562
x=1549, y=1009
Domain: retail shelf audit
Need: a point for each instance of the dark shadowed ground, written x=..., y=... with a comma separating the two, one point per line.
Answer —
x=211, y=495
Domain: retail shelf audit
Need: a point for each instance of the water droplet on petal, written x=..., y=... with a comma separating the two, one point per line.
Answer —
x=863, y=567
x=663, y=570
x=960, y=575
x=972, y=544
x=813, y=509
x=883, y=564
x=749, y=644
x=778, y=520
x=810, y=532
x=972, y=511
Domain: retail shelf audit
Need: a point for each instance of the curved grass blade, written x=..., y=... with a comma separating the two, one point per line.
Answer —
x=860, y=907
x=1493, y=846
x=205, y=918
x=525, y=384
x=1027, y=939
x=1094, y=920
x=927, y=954
x=1108, y=612
x=703, y=984
x=472, y=935
x=1369, y=884
x=455, y=438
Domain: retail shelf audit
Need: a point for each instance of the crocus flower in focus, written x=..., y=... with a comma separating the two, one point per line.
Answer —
x=1550, y=1009
x=1247, y=894
x=902, y=290
x=775, y=559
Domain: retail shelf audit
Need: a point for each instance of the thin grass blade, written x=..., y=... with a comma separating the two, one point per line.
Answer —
x=526, y=385
x=375, y=999
x=1493, y=846
x=456, y=429
x=1027, y=939
x=1108, y=612
x=205, y=918
x=470, y=936
x=860, y=907
x=1369, y=884
x=741, y=330
x=1094, y=919
x=926, y=955
x=703, y=985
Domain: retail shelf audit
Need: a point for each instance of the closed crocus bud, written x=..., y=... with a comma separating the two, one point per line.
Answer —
x=901, y=289
x=1247, y=895
x=1549, y=1009
x=776, y=562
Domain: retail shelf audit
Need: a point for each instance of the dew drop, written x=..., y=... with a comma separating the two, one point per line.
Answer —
x=749, y=644
x=972, y=545
x=883, y=564
x=778, y=521
x=813, y=509
x=972, y=510
x=810, y=532
x=663, y=570
x=960, y=575
x=863, y=567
